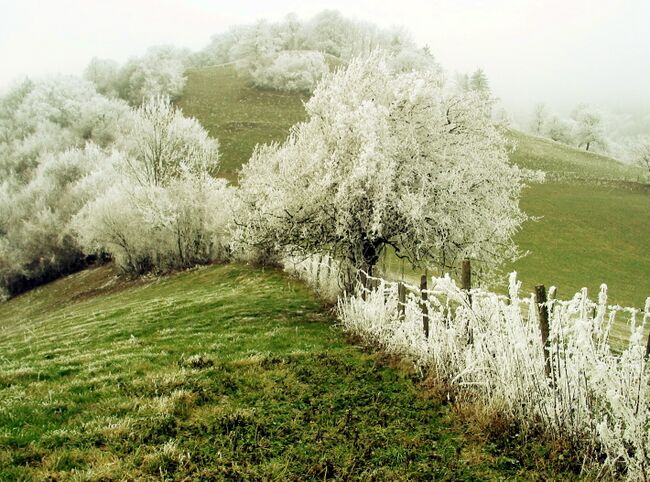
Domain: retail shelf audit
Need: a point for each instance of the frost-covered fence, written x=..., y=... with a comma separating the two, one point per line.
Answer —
x=490, y=349
x=325, y=274
x=545, y=362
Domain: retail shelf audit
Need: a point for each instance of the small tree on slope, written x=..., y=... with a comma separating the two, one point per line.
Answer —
x=386, y=159
x=641, y=153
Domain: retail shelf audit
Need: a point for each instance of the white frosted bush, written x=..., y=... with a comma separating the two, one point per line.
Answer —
x=36, y=242
x=159, y=72
x=292, y=55
x=165, y=210
x=155, y=228
x=292, y=71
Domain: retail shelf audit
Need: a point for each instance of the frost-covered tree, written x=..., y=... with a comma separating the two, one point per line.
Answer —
x=53, y=132
x=641, y=153
x=291, y=54
x=293, y=71
x=164, y=210
x=256, y=48
x=538, y=123
x=478, y=81
x=160, y=71
x=52, y=115
x=328, y=32
x=36, y=242
x=408, y=59
x=588, y=128
x=386, y=159
x=461, y=82
x=220, y=49
x=559, y=130
x=291, y=33
x=105, y=74
x=163, y=144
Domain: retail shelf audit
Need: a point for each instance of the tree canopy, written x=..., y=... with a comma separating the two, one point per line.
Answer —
x=386, y=159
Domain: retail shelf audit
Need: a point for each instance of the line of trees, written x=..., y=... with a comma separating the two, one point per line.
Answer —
x=584, y=129
x=53, y=134
x=84, y=175
x=160, y=71
x=622, y=136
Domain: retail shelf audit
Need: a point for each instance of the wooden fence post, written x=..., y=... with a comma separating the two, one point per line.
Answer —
x=329, y=271
x=466, y=278
x=363, y=279
x=374, y=284
x=320, y=260
x=543, y=310
x=424, y=305
x=401, y=299
x=466, y=284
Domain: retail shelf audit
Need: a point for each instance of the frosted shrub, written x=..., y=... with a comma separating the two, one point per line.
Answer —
x=490, y=350
x=165, y=211
x=36, y=242
x=50, y=116
x=292, y=71
x=411, y=59
x=52, y=132
x=154, y=228
x=159, y=72
x=292, y=55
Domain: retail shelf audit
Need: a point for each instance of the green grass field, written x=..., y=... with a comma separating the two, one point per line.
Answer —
x=595, y=224
x=238, y=115
x=569, y=163
x=220, y=373
x=587, y=235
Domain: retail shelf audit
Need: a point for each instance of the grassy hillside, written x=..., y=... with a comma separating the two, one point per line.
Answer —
x=587, y=235
x=590, y=232
x=569, y=163
x=220, y=373
x=238, y=115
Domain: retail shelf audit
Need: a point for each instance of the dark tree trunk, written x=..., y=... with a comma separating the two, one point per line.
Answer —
x=371, y=252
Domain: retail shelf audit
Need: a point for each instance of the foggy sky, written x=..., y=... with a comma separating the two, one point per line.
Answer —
x=558, y=51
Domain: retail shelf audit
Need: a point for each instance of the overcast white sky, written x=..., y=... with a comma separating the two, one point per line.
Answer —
x=558, y=51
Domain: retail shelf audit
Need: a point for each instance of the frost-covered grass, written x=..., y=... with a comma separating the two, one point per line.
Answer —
x=221, y=373
x=488, y=349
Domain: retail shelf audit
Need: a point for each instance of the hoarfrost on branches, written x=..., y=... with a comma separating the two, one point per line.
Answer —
x=387, y=159
x=165, y=210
